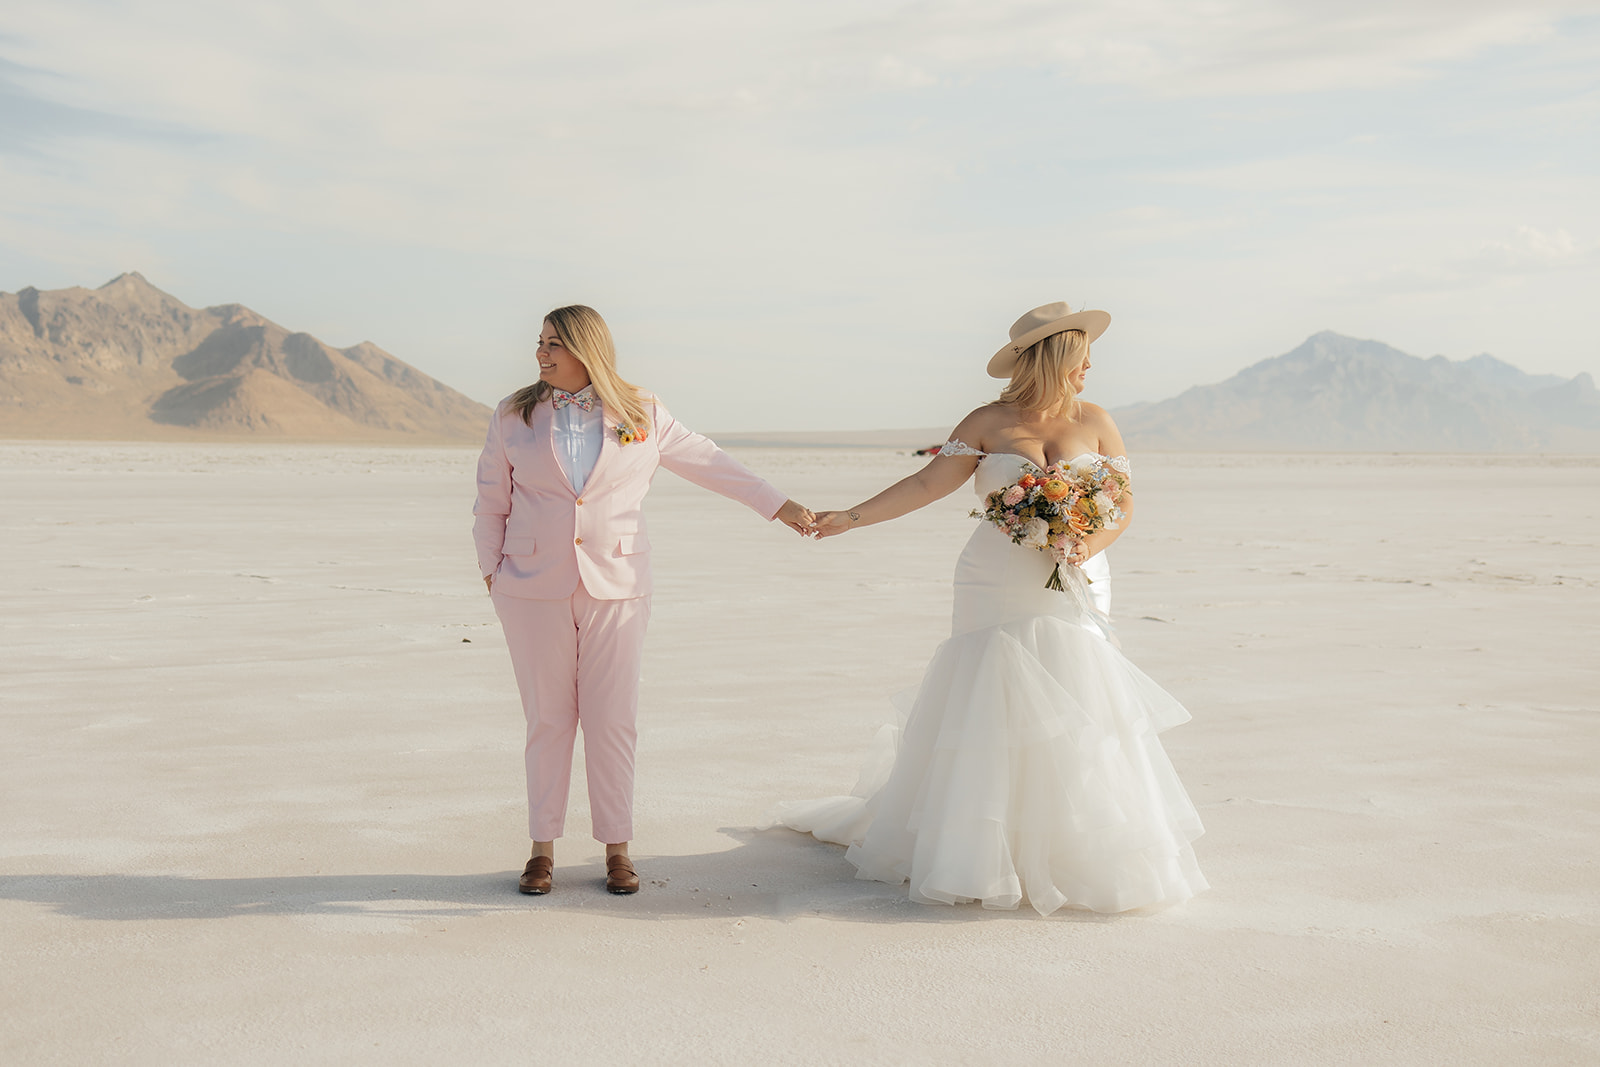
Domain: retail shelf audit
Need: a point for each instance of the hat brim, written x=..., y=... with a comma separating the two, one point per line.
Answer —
x=1092, y=323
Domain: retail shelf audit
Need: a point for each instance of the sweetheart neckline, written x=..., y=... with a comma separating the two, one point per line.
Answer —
x=957, y=447
x=1020, y=456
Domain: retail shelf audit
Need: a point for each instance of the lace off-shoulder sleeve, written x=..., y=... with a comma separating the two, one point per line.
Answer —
x=1120, y=463
x=954, y=447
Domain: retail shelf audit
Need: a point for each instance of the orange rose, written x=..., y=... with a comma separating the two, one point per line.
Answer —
x=1028, y=481
x=1055, y=489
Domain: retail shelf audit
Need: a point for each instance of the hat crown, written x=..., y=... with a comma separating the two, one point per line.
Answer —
x=1040, y=316
x=1043, y=322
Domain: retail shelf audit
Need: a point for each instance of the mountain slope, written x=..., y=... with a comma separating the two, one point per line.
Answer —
x=1336, y=393
x=128, y=361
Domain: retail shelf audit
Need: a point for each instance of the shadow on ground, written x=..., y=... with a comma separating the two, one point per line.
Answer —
x=770, y=874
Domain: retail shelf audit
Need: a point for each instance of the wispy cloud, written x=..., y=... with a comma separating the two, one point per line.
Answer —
x=1524, y=255
x=1533, y=250
x=31, y=119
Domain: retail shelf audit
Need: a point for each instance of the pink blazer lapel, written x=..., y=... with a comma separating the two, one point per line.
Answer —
x=608, y=450
x=544, y=440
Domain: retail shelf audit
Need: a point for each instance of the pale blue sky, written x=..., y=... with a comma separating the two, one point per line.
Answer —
x=824, y=214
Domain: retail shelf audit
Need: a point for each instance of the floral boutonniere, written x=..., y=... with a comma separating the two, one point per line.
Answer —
x=627, y=435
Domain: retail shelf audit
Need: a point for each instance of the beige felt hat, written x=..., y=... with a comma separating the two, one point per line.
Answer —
x=1040, y=323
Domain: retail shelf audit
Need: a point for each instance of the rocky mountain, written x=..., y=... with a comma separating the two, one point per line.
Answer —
x=1336, y=394
x=127, y=361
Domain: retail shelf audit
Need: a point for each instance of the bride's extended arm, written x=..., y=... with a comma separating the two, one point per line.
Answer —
x=942, y=476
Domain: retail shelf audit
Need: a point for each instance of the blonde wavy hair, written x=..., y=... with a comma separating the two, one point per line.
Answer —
x=588, y=338
x=1039, y=380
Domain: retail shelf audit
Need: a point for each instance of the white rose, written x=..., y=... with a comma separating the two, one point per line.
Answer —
x=1104, y=505
x=1083, y=466
x=1035, y=533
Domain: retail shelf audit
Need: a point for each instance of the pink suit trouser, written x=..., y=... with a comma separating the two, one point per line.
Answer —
x=577, y=664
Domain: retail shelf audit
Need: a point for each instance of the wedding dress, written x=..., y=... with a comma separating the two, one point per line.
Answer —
x=1028, y=765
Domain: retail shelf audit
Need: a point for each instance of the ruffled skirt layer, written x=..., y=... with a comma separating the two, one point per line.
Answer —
x=1028, y=767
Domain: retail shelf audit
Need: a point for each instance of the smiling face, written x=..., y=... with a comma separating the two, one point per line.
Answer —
x=557, y=366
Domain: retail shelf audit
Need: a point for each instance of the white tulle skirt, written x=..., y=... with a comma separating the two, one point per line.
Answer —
x=1028, y=766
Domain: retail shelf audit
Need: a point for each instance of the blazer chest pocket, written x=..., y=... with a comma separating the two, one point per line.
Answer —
x=518, y=546
x=632, y=545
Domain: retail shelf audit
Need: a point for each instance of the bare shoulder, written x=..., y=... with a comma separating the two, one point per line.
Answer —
x=977, y=424
x=1092, y=414
x=1096, y=417
x=1098, y=420
x=989, y=416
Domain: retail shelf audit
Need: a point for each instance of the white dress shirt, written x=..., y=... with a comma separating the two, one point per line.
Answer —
x=579, y=434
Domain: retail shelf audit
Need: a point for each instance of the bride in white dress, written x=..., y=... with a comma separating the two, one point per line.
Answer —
x=1028, y=766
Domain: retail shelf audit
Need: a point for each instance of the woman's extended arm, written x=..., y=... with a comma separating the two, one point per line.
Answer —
x=696, y=458
x=942, y=476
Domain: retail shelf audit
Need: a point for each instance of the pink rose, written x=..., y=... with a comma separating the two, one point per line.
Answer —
x=1013, y=495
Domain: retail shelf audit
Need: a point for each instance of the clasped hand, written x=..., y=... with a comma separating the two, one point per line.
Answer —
x=798, y=518
x=808, y=523
x=831, y=523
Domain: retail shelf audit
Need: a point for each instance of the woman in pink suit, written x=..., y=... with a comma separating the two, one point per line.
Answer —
x=563, y=550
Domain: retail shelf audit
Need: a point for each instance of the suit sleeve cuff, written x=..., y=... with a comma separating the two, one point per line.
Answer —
x=771, y=501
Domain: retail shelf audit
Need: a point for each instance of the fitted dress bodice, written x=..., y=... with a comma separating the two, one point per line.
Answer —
x=997, y=581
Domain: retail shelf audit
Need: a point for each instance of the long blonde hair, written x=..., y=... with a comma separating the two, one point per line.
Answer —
x=588, y=338
x=1039, y=380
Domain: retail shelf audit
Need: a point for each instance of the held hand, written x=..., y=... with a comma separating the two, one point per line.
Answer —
x=832, y=523
x=488, y=582
x=797, y=517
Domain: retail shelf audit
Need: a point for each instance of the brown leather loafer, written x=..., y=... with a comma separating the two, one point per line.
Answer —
x=535, y=879
x=620, y=875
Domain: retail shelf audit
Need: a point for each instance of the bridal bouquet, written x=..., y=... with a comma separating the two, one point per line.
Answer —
x=1053, y=509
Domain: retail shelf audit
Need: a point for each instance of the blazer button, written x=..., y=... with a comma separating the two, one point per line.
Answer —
x=580, y=501
x=578, y=541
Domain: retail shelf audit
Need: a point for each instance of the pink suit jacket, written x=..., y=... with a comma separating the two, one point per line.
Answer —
x=538, y=537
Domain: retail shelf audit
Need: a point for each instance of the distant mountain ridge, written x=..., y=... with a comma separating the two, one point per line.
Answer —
x=1336, y=394
x=128, y=361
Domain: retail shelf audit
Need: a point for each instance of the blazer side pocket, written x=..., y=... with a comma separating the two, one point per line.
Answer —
x=632, y=544
x=518, y=546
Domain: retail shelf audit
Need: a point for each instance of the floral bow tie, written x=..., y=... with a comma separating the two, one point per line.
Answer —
x=583, y=398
